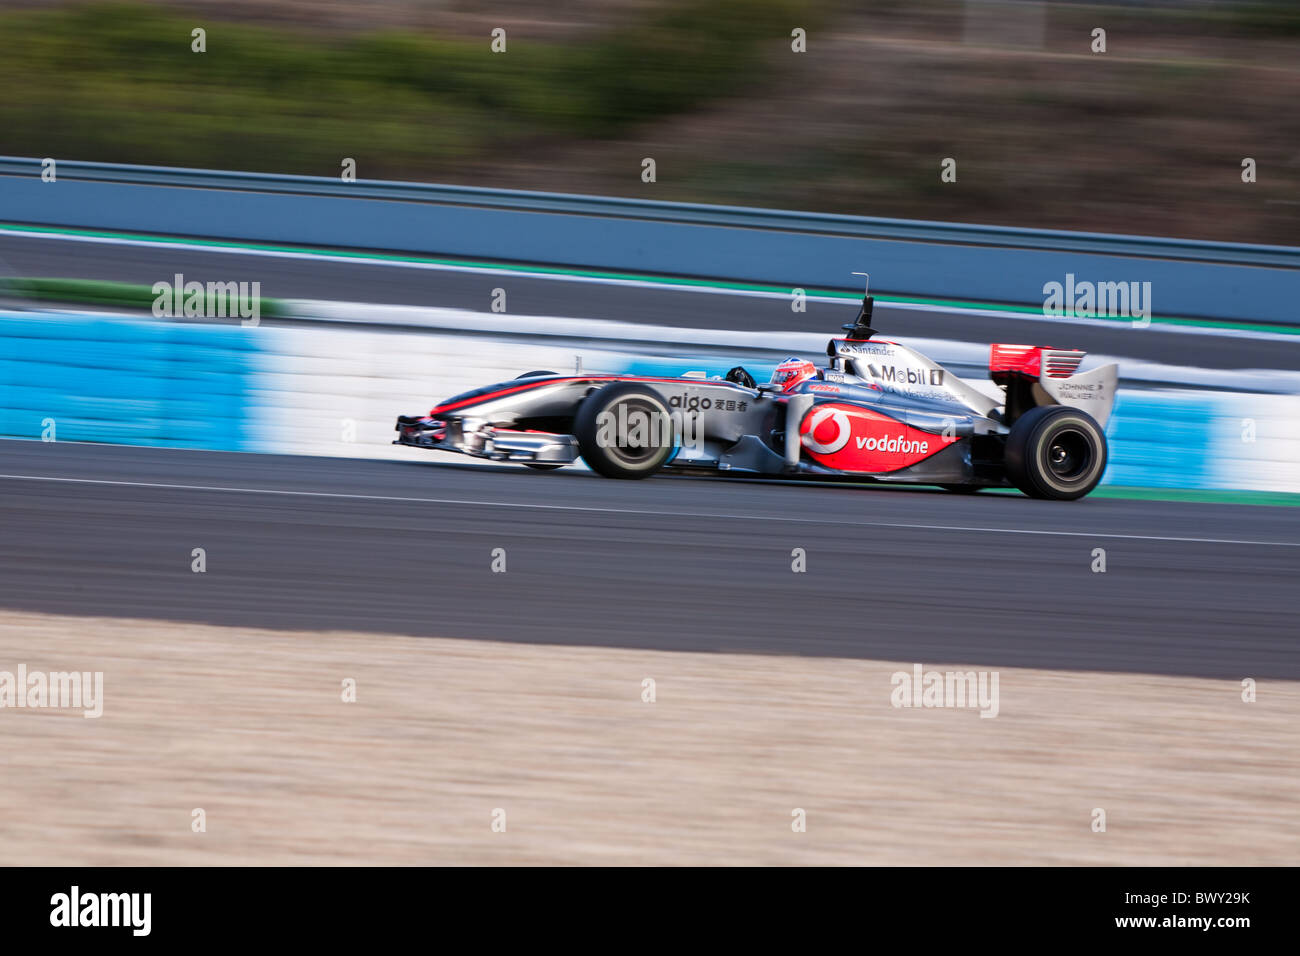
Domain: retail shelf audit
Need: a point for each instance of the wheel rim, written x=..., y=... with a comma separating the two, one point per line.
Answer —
x=633, y=455
x=1069, y=455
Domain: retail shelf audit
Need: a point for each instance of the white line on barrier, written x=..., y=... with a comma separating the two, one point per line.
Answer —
x=525, y=273
x=638, y=511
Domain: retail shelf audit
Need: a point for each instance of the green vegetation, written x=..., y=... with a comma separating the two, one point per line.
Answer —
x=1147, y=138
x=118, y=295
x=119, y=82
x=1268, y=18
x=1200, y=495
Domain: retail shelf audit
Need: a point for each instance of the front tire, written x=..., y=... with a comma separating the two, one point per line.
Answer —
x=1056, y=452
x=621, y=430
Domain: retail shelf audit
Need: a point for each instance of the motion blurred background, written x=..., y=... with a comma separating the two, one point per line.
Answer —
x=331, y=555
x=1146, y=138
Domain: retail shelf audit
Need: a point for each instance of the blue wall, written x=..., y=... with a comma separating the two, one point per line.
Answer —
x=126, y=382
x=1162, y=441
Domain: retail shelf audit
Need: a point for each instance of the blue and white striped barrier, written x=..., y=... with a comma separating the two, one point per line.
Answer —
x=138, y=383
x=335, y=391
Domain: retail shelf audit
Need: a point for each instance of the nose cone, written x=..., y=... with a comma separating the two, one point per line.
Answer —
x=462, y=403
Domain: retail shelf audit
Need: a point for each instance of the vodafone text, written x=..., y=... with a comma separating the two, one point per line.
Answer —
x=895, y=444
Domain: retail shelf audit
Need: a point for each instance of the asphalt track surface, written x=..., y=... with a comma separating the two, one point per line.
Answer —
x=914, y=575
x=388, y=284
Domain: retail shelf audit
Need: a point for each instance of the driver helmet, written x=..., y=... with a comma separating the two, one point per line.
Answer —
x=793, y=371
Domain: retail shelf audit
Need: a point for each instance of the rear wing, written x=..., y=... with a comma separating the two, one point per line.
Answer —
x=1036, y=375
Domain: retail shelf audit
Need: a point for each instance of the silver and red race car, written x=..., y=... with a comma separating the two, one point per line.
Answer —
x=876, y=411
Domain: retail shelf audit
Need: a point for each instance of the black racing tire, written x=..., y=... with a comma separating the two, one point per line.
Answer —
x=540, y=371
x=536, y=467
x=603, y=453
x=962, y=489
x=1056, y=452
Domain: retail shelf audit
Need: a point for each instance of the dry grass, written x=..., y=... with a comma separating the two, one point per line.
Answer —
x=1146, y=138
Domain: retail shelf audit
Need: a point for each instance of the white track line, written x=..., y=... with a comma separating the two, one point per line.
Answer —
x=639, y=511
x=639, y=284
x=431, y=266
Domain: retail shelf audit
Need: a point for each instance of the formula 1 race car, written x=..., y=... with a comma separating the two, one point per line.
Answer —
x=878, y=411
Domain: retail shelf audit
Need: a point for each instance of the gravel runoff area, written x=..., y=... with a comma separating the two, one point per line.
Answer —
x=250, y=726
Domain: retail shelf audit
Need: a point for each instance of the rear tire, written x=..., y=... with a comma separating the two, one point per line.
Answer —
x=1056, y=452
x=608, y=452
